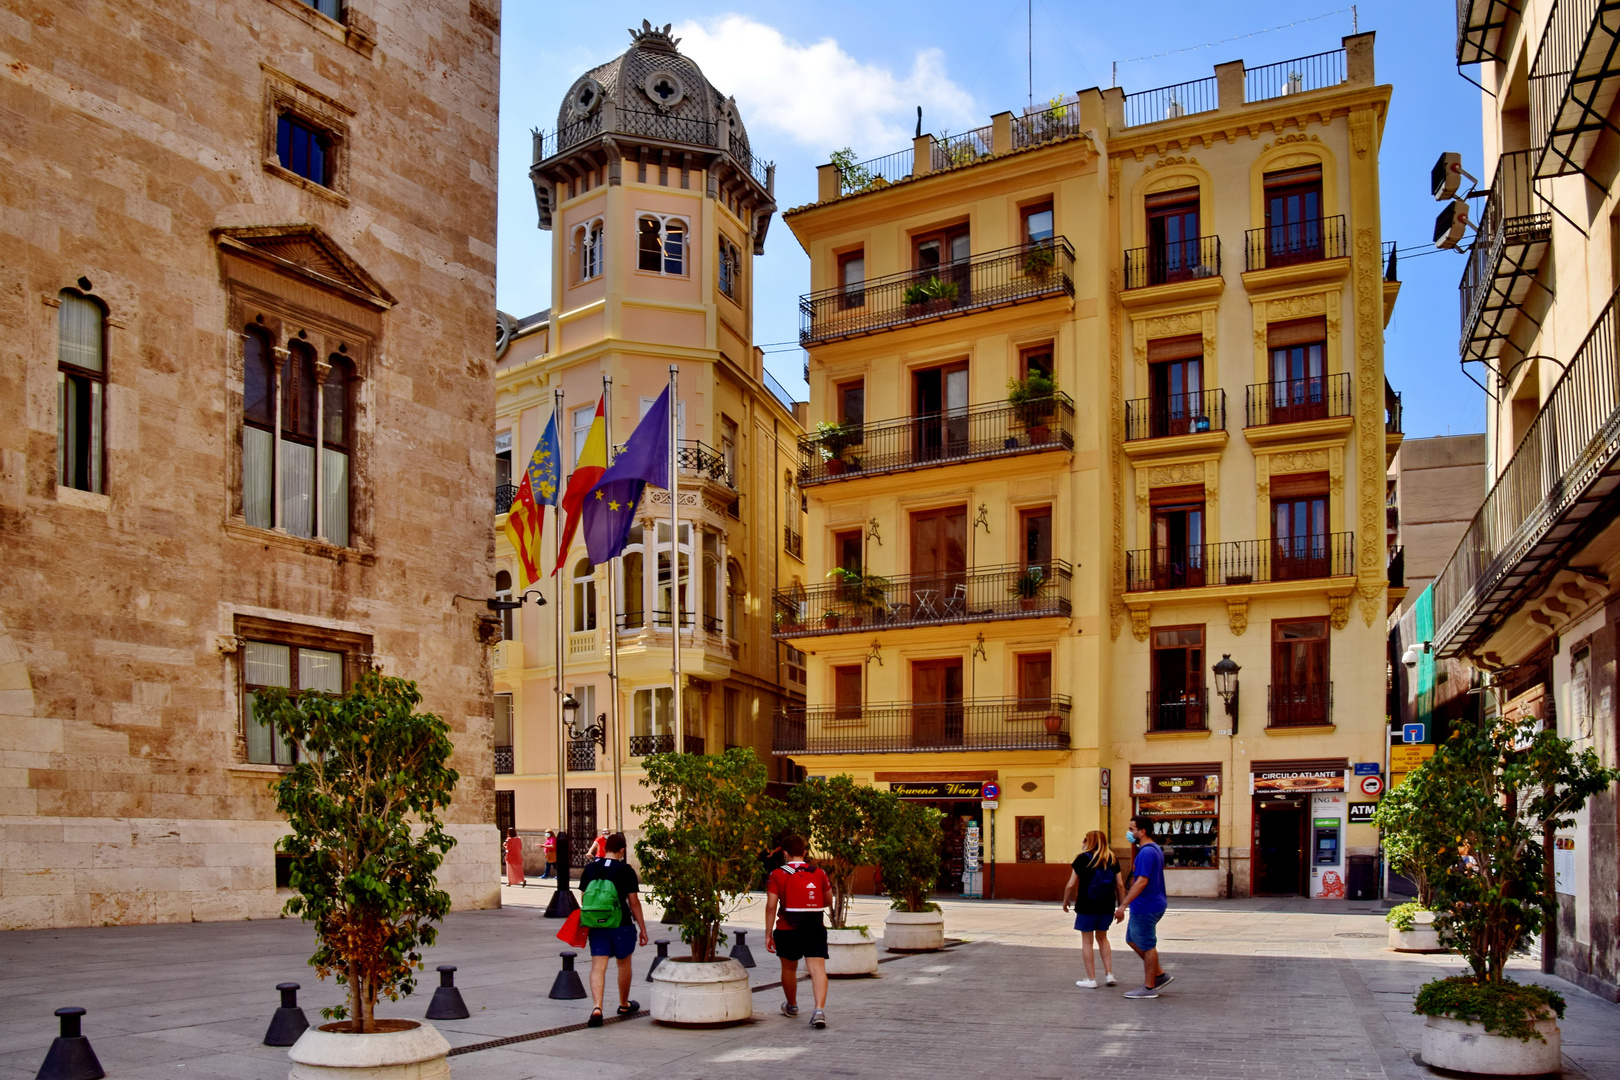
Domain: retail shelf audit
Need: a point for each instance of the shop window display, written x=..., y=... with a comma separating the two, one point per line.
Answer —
x=1185, y=810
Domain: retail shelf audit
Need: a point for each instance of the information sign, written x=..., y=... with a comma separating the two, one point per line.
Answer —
x=1368, y=768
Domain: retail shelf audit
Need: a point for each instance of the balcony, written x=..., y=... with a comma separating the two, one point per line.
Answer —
x=1481, y=25
x=903, y=727
x=1196, y=260
x=504, y=761
x=504, y=494
x=1240, y=562
x=645, y=745
x=1175, y=414
x=1295, y=243
x=975, y=433
x=1304, y=705
x=1515, y=230
x=1554, y=493
x=1572, y=85
x=1184, y=710
x=1015, y=275
x=985, y=594
x=1298, y=401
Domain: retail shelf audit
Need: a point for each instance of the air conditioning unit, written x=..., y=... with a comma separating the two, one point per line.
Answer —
x=1447, y=176
x=1451, y=225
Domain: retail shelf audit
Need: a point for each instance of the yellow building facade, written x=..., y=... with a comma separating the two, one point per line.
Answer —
x=1029, y=587
x=656, y=205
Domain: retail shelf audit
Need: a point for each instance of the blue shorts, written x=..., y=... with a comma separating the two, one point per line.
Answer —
x=1143, y=928
x=1097, y=924
x=618, y=942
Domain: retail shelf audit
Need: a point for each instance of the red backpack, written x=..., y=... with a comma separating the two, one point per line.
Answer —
x=805, y=888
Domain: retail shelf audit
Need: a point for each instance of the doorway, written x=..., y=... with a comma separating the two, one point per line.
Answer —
x=941, y=401
x=936, y=695
x=939, y=564
x=953, y=835
x=1279, y=847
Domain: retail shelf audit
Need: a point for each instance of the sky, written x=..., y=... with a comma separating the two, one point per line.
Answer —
x=812, y=78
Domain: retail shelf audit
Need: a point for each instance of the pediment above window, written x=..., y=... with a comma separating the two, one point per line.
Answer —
x=305, y=251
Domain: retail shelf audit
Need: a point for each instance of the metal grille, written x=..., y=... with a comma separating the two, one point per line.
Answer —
x=1291, y=243
x=1012, y=591
x=1300, y=705
x=503, y=760
x=1240, y=562
x=1175, y=414
x=1293, y=401
x=1316, y=72
x=1046, y=125
x=904, y=726
x=954, y=151
x=877, y=172
x=1180, y=710
x=581, y=825
x=581, y=755
x=642, y=745
x=1515, y=227
x=1572, y=83
x=1032, y=839
x=1168, y=264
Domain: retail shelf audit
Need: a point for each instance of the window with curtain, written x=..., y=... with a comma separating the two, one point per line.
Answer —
x=315, y=417
x=667, y=598
x=653, y=711
x=584, y=596
x=304, y=149
x=81, y=385
x=297, y=668
x=711, y=582
x=632, y=597
x=258, y=429
x=736, y=599
x=332, y=9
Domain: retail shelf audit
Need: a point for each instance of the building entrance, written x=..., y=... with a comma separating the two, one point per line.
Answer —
x=953, y=830
x=1279, y=846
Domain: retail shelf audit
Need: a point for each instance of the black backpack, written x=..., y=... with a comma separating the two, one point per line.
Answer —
x=1100, y=889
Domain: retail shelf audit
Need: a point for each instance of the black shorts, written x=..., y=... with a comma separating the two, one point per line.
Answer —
x=800, y=942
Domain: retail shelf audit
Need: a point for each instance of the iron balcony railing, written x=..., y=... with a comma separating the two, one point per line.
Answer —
x=1292, y=243
x=1172, y=102
x=664, y=127
x=696, y=458
x=942, y=438
x=1514, y=226
x=643, y=745
x=792, y=542
x=1569, y=445
x=1014, y=275
x=878, y=172
x=1241, y=562
x=1573, y=82
x=910, y=727
x=1480, y=25
x=581, y=755
x=1046, y=124
x=504, y=494
x=1300, y=705
x=1393, y=413
x=1175, y=414
x=1178, y=710
x=1317, y=72
x=1168, y=264
x=505, y=763
x=1295, y=400
x=977, y=594
x=954, y=151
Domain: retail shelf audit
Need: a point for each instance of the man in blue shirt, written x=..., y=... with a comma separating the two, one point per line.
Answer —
x=1146, y=900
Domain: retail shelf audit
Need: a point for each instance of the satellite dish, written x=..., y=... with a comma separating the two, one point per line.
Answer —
x=1447, y=176
x=1451, y=225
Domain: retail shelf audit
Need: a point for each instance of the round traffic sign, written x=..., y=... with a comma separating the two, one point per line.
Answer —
x=1372, y=785
x=989, y=791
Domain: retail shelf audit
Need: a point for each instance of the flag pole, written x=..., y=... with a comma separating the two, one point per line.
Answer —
x=563, y=901
x=615, y=741
x=675, y=561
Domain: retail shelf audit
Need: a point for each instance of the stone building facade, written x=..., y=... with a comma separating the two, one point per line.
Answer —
x=249, y=264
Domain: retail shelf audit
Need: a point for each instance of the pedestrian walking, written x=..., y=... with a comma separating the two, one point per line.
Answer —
x=1147, y=902
x=610, y=910
x=599, y=845
x=795, y=896
x=514, y=858
x=551, y=853
x=1096, y=887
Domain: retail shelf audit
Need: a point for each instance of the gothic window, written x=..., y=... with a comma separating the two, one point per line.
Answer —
x=588, y=244
x=661, y=244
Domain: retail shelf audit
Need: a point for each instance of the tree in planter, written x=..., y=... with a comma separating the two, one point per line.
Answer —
x=702, y=835
x=842, y=821
x=371, y=767
x=1412, y=839
x=1028, y=585
x=908, y=856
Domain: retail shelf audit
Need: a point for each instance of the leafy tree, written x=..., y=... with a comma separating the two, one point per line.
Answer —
x=843, y=821
x=852, y=176
x=702, y=834
x=1412, y=838
x=908, y=854
x=366, y=839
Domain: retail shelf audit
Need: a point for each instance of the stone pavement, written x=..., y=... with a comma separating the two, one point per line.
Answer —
x=1263, y=989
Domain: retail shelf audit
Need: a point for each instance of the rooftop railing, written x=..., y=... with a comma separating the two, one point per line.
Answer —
x=1046, y=124
x=1171, y=102
x=867, y=174
x=1241, y=562
x=1013, y=275
x=908, y=727
x=979, y=594
x=1294, y=401
x=1317, y=72
x=954, y=151
x=1175, y=414
x=665, y=127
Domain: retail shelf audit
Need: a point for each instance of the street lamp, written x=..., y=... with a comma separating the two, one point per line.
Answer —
x=596, y=732
x=497, y=604
x=1226, y=685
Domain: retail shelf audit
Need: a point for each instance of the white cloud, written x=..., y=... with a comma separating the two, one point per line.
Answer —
x=820, y=95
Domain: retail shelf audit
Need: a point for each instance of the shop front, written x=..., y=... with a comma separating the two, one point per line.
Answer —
x=962, y=827
x=1183, y=801
x=1299, y=828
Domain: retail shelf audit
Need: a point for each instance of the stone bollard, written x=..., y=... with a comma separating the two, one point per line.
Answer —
x=289, y=1022
x=70, y=1056
x=740, y=951
x=663, y=954
x=447, y=1003
x=567, y=986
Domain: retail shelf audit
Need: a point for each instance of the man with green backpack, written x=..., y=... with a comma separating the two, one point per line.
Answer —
x=610, y=910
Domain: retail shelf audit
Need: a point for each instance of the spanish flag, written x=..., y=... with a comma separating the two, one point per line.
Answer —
x=587, y=471
x=539, y=489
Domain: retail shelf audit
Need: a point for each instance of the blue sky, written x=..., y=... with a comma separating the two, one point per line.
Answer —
x=810, y=78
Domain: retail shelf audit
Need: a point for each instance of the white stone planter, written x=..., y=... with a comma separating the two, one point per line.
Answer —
x=687, y=992
x=417, y=1053
x=1423, y=937
x=851, y=952
x=914, y=931
x=1465, y=1046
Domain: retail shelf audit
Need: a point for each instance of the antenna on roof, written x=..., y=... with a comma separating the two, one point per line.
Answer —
x=1029, y=39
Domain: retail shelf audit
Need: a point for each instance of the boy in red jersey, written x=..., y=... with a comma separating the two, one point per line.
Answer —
x=795, y=896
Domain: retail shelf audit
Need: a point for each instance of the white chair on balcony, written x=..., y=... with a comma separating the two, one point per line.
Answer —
x=956, y=603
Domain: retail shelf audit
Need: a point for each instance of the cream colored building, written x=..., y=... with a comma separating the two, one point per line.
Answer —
x=1039, y=593
x=657, y=206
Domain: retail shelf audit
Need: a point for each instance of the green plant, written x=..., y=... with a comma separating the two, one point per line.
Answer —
x=932, y=287
x=1033, y=398
x=1039, y=259
x=852, y=176
x=1414, y=840
x=366, y=839
x=1506, y=1008
x=962, y=152
x=842, y=821
x=908, y=855
x=1028, y=585
x=833, y=438
x=1401, y=916
x=702, y=834
x=855, y=587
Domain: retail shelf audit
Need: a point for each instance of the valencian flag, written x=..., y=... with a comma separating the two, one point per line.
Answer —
x=539, y=489
x=610, y=508
x=587, y=471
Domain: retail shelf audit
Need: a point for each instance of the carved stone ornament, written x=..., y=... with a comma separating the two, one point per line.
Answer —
x=1237, y=615
x=1371, y=602
x=1296, y=307
x=1116, y=618
x=229, y=643
x=1339, y=610
x=1139, y=621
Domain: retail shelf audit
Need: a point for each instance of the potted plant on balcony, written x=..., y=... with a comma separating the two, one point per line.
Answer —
x=832, y=439
x=1039, y=260
x=908, y=855
x=1034, y=400
x=1027, y=586
x=842, y=821
x=863, y=591
x=366, y=843
x=931, y=294
x=706, y=823
x=1500, y=786
x=832, y=618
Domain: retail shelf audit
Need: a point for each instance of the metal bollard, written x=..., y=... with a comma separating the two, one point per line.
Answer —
x=740, y=951
x=567, y=986
x=70, y=1056
x=447, y=1003
x=663, y=954
x=289, y=1022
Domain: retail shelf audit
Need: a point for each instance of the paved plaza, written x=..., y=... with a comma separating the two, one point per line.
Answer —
x=1263, y=989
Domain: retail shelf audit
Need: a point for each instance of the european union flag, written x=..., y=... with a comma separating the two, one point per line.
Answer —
x=610, y=508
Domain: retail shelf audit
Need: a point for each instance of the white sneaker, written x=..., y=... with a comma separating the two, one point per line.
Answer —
x=1109, y=979
x=1086, y=984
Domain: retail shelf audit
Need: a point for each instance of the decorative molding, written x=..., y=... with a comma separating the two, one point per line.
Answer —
x=1140, y=614
x=1116, y=410
x=1339, y=609
x=1237, y=615
x=1372, y=602
x=1116, y=618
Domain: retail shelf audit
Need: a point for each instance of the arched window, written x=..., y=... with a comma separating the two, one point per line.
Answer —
x=730, y=270
x=632, y=596
x=258, y=429
x=81, y=383
x=336, y=444
x=661, y=244
x=584, y=596
x=588, y=243
x=503, y=591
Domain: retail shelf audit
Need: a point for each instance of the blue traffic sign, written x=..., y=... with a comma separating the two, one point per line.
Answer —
x=1368, y=768
x=1412, y=733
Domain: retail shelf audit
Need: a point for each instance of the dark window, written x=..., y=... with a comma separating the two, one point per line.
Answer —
x=1178, y=538
x=1036, y=526
x=1299, y=382
x=1031, y=839
x=332, y=9
x=1175, y=386
x=1299, y=672
x=303, y=148
x=848, y=548
x=935, y=249
x=847, y=692
x=1035, y=680
x=297, y=659
x=81, y=383
x=1172, y=235
x=730, y=269
x=1299, y=530
x=1293, y=216
x=1178, y=679
x=284, y=865
x=852, y=403
x=1036, y=359
x=503, y=591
